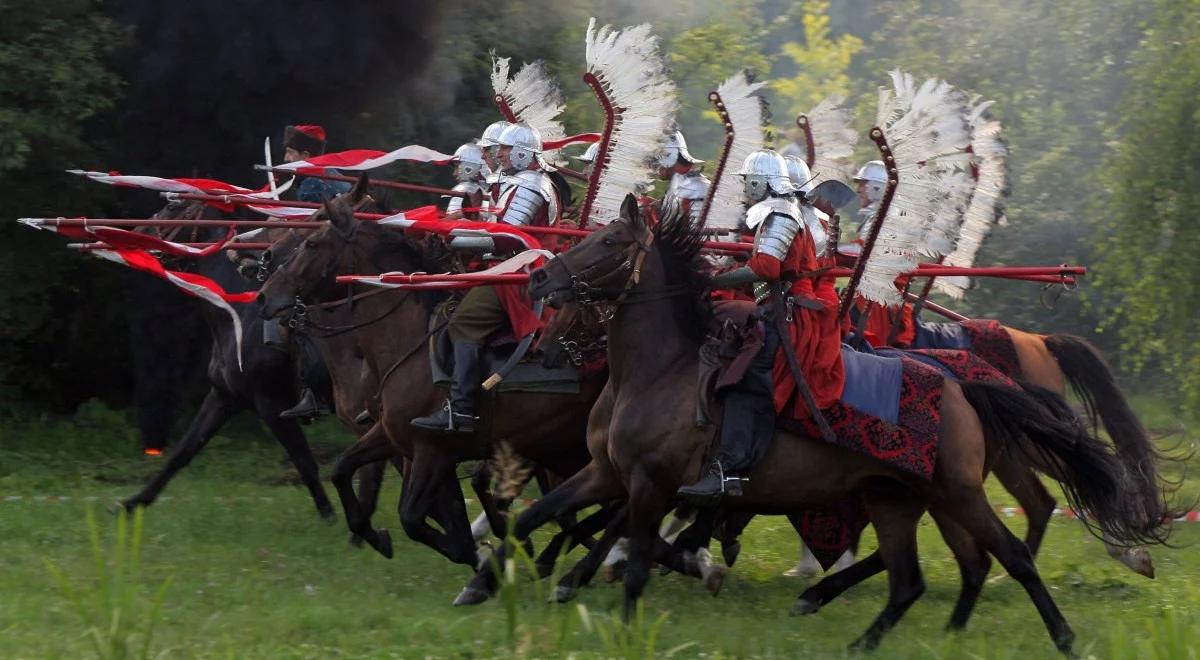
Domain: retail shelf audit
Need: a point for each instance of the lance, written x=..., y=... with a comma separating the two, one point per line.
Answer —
x=938, y=309
x=382, y=183
x=893, y=179
x=425, y=278
x=87, y=247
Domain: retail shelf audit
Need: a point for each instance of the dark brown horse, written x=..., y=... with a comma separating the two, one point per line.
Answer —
x=393, y=335
x=644, y=442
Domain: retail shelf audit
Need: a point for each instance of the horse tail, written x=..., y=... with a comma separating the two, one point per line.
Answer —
x=1094, y=383
x=1041, y=426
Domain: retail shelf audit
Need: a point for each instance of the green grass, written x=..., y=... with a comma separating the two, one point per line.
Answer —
x=255, y=573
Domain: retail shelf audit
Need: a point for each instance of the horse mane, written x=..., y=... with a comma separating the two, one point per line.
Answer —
x=679, y=238
x=427, y=256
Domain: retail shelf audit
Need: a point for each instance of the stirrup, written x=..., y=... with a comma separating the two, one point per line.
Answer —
x=453, y=425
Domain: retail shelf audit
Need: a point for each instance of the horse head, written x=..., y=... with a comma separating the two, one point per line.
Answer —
x=600, y=268
x=317, y=258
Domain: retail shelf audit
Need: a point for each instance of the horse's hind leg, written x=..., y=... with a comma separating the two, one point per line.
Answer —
x=895, y=515
x=833, y=585
x=1022, y=483
x=430, y=482
x=583, y=571
x=973, y=565
x=593, y=523
x=213, y=413
x=372, y=449
x=288, y=433
x=972, y=511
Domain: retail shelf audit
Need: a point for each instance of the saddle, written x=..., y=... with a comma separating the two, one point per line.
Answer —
x=527, y=374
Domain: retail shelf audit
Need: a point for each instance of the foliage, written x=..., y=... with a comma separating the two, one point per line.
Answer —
x=1148, y=264
x=821, y=60
x=113, y=612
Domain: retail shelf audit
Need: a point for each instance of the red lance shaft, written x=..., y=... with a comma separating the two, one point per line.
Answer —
x=938, y=309
x=889, y=162
x=382, y=183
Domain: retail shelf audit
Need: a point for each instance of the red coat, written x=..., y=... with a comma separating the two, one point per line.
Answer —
x=514, y=298
x=814, y=333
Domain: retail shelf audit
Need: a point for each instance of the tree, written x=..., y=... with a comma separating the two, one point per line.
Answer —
x=1149, y=266
x=821, y=62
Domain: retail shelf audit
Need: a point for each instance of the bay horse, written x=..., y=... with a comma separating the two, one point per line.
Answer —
x=262, y=384
x=393, y=332
x=644, y=443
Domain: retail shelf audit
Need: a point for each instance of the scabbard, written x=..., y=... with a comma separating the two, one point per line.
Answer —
x=789, y=353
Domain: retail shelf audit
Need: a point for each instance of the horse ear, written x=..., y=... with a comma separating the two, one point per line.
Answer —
x=359, y=191
x=631, y=212
x=339, y=214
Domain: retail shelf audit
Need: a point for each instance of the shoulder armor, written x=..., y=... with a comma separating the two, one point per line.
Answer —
x=692, y=185
x=523, y=194
x=455, y=204
x=815, y=221
x=775, y=235
x=772, y=205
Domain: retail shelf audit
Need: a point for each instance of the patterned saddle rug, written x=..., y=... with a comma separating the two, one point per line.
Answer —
x=983, y=337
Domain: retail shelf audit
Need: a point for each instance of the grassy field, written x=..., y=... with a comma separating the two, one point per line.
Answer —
x=255, y=573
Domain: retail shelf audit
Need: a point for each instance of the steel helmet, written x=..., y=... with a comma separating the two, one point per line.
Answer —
x=674, y=149
x=765, y=170
x=526, y=144
x=800, y=175
x=874, y=176
x=491, y=134
x=470, y=162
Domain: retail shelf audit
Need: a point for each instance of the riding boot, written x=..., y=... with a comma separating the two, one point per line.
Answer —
x=458, y=413
x=310, y=406
x=747, y=426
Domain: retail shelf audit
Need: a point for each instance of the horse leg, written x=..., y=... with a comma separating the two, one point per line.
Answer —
x=370, y=482
x=587, y=527
x=591, y=485
x=425, y=494
x=648, y=504
x=1021, y=482
x=492, y=519
x=973, y=565
x=372, y=449
x=213, y=413
x=972, y=511
x=833, y=585
x=895, y=517
x=289, y=434
x=583, y=571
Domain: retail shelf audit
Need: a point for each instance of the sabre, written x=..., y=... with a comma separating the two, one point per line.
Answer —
x=270, y=172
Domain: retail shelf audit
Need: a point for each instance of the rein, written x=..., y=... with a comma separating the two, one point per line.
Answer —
x=591, y=295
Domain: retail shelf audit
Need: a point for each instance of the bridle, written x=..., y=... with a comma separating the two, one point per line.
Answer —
x=587, y=283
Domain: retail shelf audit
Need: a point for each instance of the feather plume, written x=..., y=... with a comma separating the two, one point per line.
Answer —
x=834, y=139
x=633, y=76
x=533, y=96
x=748, y=115
x=990, y=160
x=927, y=132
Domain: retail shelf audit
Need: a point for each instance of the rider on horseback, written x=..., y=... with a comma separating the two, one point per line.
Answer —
x=526, y=197
x=784, y=251
x=688, y=186
x=302, y=142
x=472, y=173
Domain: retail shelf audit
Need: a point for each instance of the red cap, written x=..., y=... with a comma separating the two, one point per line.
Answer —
x=312, y=131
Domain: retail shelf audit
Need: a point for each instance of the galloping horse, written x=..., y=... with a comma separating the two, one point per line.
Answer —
x=644, y=442
x=392, y=332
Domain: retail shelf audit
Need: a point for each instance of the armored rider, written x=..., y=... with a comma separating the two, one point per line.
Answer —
x=472, y=173
x=526, y=197
x=783, y=251
x=870, y=182
x=688, y=187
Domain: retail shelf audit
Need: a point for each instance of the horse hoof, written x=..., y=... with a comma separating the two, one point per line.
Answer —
x=121, y=506
x=730, y=552
x=383, y=543
x=562, y=594
x=471, y=596
x=715, y=579
x=864, y=644
x=804, y=605
x=544, y=570
x=1139, y=562
x=327, y=515
x=356, y=541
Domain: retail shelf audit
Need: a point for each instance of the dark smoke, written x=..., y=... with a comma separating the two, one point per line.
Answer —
x=206, y=81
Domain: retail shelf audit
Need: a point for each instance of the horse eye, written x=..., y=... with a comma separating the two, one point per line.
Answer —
x=609, y=242
x=310, y=245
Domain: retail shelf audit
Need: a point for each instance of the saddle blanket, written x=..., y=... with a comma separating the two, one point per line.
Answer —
x=983, y=337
